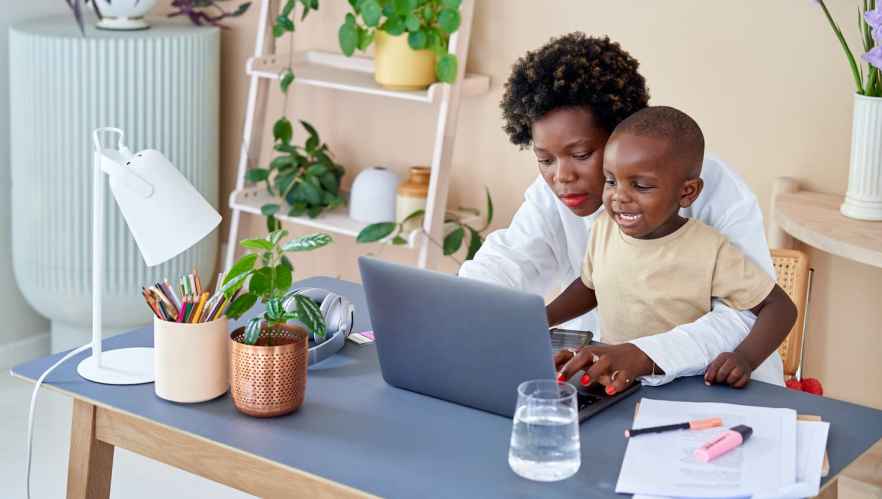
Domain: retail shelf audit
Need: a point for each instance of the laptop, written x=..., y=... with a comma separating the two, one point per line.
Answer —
x=462, y=340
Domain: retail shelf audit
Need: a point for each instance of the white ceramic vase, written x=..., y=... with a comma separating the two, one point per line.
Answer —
x=864, y=198
x=124, y=15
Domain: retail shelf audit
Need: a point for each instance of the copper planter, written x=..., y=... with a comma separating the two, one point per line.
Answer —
x=269, y=378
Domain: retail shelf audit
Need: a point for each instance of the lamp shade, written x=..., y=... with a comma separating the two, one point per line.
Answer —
x=164, y=212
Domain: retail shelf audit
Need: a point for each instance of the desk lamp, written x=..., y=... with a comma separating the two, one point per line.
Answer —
x=165, y=214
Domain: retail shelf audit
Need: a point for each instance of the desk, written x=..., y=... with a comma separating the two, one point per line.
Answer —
x=355, y=433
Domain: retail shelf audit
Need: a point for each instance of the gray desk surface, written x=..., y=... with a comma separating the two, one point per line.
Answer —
x=357, y=430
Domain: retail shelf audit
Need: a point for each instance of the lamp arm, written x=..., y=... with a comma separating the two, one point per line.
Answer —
x=97, y=251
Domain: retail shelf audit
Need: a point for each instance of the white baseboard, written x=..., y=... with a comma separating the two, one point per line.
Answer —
x=23, y=350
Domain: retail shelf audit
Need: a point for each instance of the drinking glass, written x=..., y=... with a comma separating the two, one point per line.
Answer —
x=545, y=432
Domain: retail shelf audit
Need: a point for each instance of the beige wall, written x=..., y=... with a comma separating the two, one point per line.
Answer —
x=766, y=80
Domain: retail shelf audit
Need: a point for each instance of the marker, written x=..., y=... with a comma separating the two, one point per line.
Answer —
x=736, y=436
x=699, y=424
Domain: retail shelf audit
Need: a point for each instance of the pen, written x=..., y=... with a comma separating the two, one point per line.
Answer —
x=699, y=424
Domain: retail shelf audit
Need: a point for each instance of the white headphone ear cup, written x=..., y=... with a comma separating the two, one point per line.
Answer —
x=331, y=311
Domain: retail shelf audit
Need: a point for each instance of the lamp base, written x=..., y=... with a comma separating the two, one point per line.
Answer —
x=126, y=366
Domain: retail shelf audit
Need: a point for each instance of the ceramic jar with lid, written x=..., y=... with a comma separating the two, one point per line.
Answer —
x=412, y=194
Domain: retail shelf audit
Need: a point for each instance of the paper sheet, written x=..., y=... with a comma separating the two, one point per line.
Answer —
x=663, y=464
x=811, y=440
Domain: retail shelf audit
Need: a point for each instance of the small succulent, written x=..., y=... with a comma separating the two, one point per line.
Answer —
x=201, y=12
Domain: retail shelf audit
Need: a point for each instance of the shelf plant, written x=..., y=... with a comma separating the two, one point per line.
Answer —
x=201, y=12
x=428, y=25
x=453, y=240
x=305, y=177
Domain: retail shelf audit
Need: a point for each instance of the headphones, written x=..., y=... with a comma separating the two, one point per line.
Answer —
x=338, y=313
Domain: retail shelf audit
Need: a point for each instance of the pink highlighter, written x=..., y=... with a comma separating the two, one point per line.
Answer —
x=736, y=436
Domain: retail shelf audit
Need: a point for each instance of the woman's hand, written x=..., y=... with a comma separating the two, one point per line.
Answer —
x=614, y=366
x=731, y=368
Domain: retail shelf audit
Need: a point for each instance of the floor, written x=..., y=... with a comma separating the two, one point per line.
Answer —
x=134, y=477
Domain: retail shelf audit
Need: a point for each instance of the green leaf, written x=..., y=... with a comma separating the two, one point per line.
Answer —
x=272, y=223
x=278, y=31
x=287, y=78
x=412, y=23
x=297, y=209
x=257, y=175
x=415, y=214
x=311, y=316
x=308, y=242
x=241, y=305
x=276, y=236
x=314, y=211
x=417, y=40
x=449, y=20
x=348, y=37
x=475, y=242
x=371, y=12
x=402, y=7
x=284, y=277
x=376, y=232
x=274, y=312
x=452, y=242
x=428, y=13
x=317, y=169
x=261, y=281
x=252, y=331
x=280, y=162
x=242, y=267
x=451, y=4
x=445, y=68
x=489, y=209
x=269, y=209
x=282, y=130
x=257, y=244
x=243, y=8
x=311, y=193
x=329, y=182
x=289, y=6
x=285, y=23
x=286, y=148
x=365, y=38
x=287, y=263
x=394, y=26
x=399, y=241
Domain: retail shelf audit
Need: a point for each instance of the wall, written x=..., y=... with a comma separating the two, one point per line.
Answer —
x=24, y=333
x=766, y=80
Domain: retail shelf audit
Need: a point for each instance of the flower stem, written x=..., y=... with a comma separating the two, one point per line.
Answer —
x=848, y=54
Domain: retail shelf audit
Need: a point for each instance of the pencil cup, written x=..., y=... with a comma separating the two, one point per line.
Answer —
x=191, y=361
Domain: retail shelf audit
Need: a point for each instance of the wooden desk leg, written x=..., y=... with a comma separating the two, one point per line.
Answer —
x=91, y=460
x=831, y=491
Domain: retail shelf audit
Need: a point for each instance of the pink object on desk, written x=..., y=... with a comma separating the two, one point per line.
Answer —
x=736, y=436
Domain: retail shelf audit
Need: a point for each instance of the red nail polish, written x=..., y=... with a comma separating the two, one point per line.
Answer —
x=585, y=380
x=561, y=378
x=610, y=390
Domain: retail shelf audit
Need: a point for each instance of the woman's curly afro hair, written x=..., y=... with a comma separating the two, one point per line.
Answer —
x=574, y=70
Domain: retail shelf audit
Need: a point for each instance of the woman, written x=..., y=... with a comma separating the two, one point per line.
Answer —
x=564, y=100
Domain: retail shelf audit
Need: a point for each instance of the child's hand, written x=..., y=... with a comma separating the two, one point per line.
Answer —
x=731, y=368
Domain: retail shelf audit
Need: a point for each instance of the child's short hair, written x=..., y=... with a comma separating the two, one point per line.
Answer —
x=673, y=126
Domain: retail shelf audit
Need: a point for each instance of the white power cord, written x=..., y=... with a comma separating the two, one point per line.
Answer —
x=31, y=414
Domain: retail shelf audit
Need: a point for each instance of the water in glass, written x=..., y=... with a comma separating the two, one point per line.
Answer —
x=545, y=432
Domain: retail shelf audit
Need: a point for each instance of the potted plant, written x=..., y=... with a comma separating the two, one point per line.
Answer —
x=864, y=198
x=268, y=356
x=455, y=229
x=305, y=177
x=126, y=14
x=411, y=39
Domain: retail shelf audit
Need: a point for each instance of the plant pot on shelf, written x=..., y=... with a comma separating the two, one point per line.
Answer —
x=864, y=198
x=124, y=15
x=399, y=67
x=268, y=378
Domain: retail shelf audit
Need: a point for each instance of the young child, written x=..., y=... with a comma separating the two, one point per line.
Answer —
x=647, y=269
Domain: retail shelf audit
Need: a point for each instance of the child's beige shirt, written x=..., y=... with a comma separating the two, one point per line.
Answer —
x=649, y=286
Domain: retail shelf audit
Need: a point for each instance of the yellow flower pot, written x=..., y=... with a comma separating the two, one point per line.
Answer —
x=399, y=67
